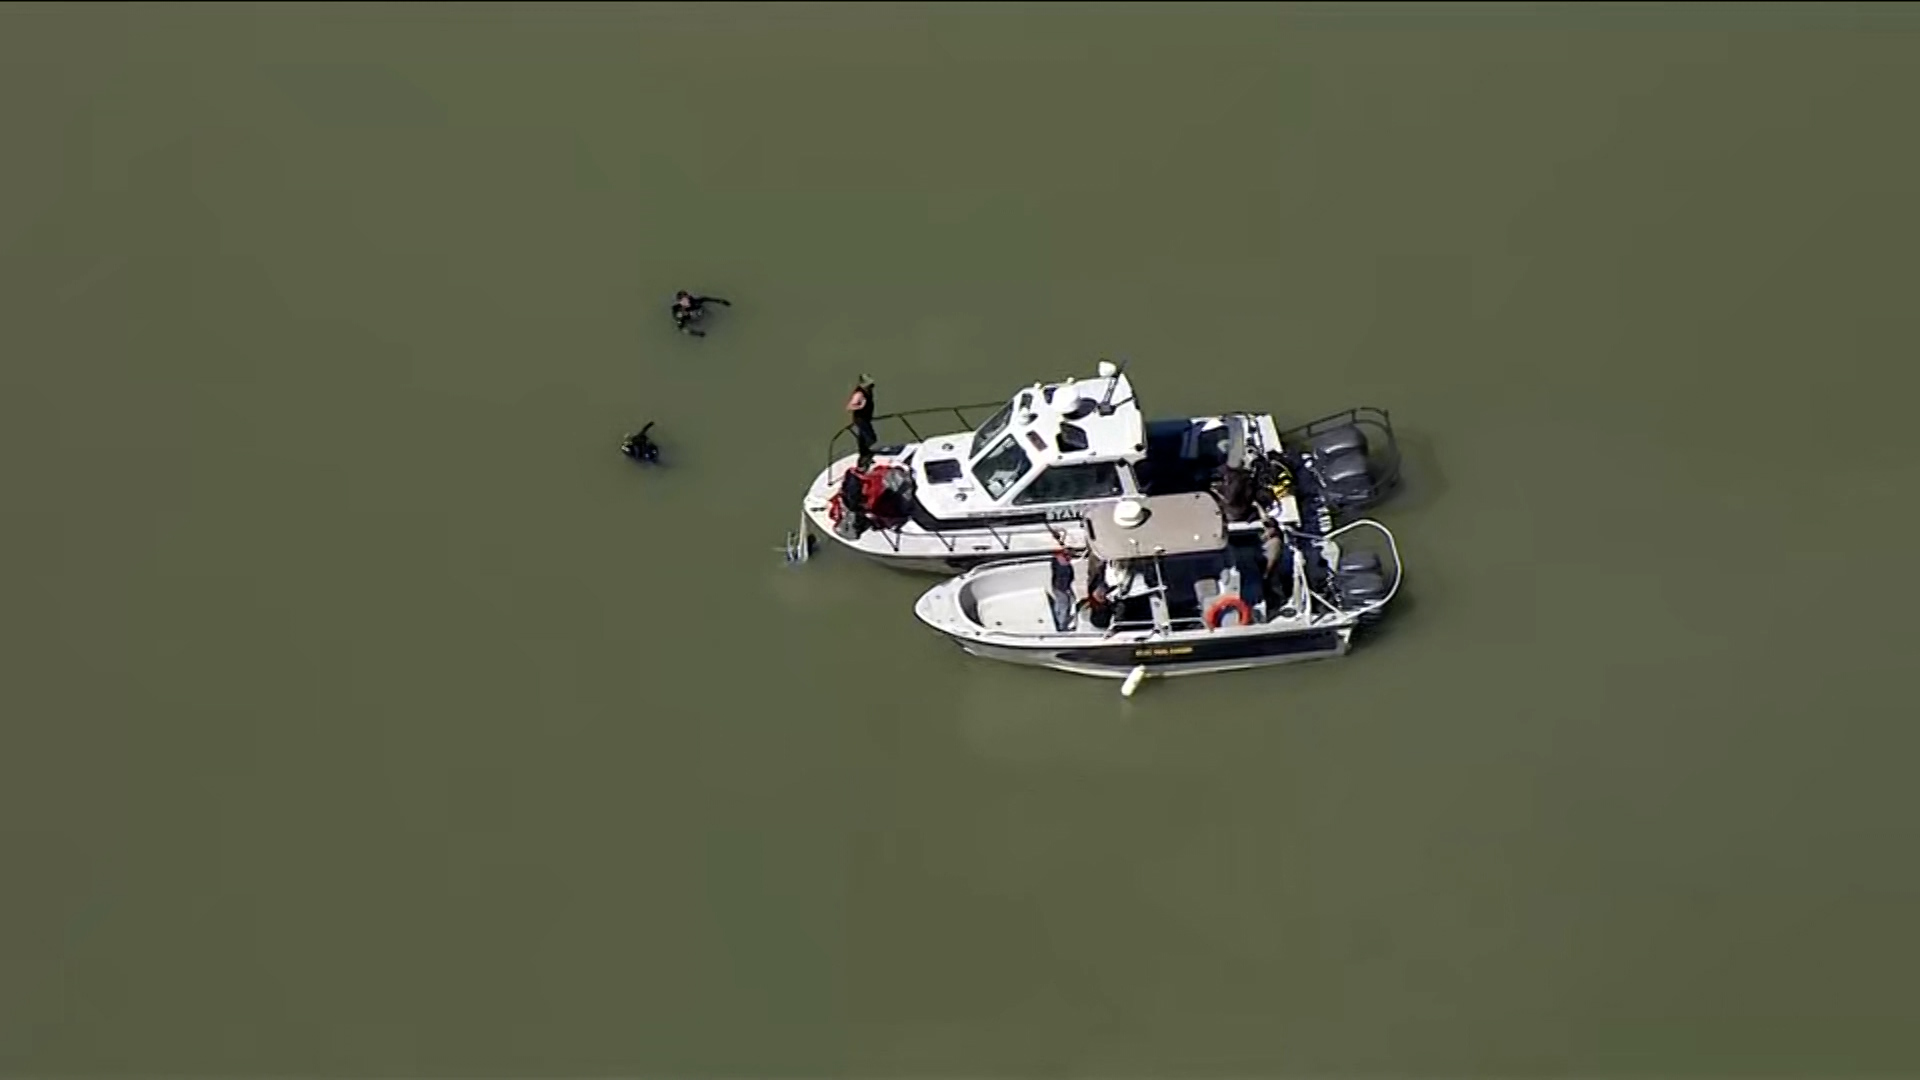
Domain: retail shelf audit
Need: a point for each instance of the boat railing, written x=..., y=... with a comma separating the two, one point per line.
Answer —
x=892, y=537
x=1383, y=447
x=835, y=450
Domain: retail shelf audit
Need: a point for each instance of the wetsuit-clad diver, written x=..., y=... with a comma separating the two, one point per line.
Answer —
x=641, y=448
x=687, y=309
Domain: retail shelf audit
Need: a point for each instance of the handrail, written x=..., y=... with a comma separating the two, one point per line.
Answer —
x=958, y=412
x=1357, y=415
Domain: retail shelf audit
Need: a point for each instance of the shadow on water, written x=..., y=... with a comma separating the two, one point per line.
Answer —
x=1422, y=482
x=1397, y=620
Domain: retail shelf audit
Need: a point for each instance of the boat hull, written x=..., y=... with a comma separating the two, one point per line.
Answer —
x=1162, y=659
x=957, y=549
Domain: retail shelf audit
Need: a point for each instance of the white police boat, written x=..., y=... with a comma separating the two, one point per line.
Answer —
x=1182, y=594
x=1023, y=481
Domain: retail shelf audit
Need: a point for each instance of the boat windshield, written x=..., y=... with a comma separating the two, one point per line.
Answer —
x=1002, y=467
x=991, y=430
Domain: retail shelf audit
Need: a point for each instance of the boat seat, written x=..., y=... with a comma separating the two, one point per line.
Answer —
x=1207, y=590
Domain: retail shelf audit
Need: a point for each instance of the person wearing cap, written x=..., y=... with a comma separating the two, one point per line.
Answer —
x=860, y=406
x=1061, y=590
x=1098, y=604
x=1121, y=580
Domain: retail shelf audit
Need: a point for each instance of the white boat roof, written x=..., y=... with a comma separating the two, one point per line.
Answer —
x=1174, y=525
x=1044, y=411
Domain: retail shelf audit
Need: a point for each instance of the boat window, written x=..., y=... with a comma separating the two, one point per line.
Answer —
x=1002, y=467
x=1072, y=439
x=1073, y=483
x=989, y=431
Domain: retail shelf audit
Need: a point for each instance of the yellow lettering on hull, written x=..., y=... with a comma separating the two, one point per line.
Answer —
x=1155, y=651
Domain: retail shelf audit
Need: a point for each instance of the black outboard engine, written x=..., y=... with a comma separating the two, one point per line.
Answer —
x=1359, y=590
x=1359, y=562
x=1358, y=581
x=1339, y=461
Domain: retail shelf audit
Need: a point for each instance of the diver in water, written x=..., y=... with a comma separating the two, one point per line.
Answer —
x=641, y=448
x=688, y=308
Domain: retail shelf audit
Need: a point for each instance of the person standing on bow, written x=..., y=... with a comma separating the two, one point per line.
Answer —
x=860, y=408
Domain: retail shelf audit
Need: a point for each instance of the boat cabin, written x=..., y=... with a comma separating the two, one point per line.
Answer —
x=1168, y=559
x=1072, y=441
x=1066, y=444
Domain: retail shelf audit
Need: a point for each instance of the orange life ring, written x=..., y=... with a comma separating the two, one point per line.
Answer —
x=1223, y=605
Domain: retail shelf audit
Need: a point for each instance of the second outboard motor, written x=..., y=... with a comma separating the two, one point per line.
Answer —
x=1360, y=562
x=1341, y=440
x=1340, y=464
x=1359, y=589
x=1346, y=481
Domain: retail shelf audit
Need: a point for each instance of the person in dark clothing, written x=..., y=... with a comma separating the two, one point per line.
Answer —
x=1099, y=607
x=641, y=448
x=1061, y=591
x=1234, y=487
x=860, y=407
x=687, y=309
x=1277, y=565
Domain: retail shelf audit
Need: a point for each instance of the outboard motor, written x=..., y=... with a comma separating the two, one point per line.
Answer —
x=1360, y=562
x=1358, y=579
x=1359, y=588
x=1340, y=464
x=1341, y=440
